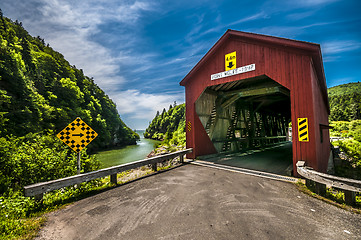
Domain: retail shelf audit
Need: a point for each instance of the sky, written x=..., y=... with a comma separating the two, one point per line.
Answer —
x=138, y=51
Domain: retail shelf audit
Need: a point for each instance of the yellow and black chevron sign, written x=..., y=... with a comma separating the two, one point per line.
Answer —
x=77, y=135
x=189, y=126
x=303, y=129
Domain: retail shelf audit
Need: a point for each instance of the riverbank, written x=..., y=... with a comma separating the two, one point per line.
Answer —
x=127, y=154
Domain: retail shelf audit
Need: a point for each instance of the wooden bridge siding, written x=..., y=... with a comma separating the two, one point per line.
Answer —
x=293, y=70
x=197, y=136
x=321, y=117
x=289, y=67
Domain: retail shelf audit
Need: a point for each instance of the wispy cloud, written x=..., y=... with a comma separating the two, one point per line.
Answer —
x=73, y=27
x=220, y=26
x=257, y=16
x=315, y=2
x=339, y=46
x=300, y=15
x=288, y=31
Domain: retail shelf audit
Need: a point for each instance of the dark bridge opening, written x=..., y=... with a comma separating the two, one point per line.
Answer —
x=247, y=115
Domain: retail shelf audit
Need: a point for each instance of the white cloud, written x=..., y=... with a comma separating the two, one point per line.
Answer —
x=335, y=47
x=68, y=26
x=144, y=106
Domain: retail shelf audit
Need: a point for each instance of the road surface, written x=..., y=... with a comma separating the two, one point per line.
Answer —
x=275, y=159
x=195, y=202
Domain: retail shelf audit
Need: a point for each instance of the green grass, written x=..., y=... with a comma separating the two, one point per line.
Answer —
x=333, y=197
x=22, y=217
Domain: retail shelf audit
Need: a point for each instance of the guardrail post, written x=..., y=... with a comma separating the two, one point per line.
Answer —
x=320, y=188
x=350, y=197
x=113, y=178
x=310, y=184
x=154, y=167
x=181, y=158
x=39, y=197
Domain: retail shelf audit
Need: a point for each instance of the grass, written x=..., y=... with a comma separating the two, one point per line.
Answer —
x=22, y=217
x=333, y=197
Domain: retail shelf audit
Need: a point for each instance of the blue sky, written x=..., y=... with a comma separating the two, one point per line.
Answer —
x=139, y=51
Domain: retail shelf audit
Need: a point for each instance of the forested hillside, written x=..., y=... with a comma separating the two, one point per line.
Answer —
x=345, y=102
x=168, y=126
x=40, y=94
x=41, y=91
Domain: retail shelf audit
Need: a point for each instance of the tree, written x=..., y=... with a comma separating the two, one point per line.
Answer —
x=40, y=91
x=164, y=126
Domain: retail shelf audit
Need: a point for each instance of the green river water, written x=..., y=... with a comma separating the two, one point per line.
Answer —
x=127, y=154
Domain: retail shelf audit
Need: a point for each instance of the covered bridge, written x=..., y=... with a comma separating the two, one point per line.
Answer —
x=247, y=89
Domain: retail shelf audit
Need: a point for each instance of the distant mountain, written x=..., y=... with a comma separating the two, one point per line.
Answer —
x=41, y=91
x=345, y=102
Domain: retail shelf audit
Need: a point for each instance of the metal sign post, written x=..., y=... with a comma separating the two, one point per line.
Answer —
x=77, y=135
x=78, y=165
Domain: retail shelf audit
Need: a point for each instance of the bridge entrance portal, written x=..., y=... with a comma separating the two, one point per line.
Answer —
x=247, y=115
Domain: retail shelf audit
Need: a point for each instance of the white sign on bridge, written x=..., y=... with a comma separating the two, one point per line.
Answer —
x=235, y=71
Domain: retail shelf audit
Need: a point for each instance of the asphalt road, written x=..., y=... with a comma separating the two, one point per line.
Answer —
x=194, y=202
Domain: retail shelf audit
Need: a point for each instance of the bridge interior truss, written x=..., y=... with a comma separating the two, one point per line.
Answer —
x=245, y=114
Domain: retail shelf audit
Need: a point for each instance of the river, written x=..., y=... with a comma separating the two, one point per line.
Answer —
x=127, y=154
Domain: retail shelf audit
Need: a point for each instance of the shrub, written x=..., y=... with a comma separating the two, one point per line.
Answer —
x=37, y=158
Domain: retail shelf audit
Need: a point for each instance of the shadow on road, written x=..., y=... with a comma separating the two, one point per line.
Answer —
x=276, y=159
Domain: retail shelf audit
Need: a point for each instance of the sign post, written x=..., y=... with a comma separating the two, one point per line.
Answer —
x=77, y=135
x=78, y=164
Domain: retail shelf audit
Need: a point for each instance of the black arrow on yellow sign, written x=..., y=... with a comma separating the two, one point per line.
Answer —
x=79, y=135
x=230, y=65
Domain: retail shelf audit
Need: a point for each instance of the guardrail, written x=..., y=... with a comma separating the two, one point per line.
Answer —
x=39, y=189
x=349, y=186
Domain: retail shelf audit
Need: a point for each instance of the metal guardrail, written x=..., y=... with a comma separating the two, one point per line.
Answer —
x=39, y=189
x=349, y=186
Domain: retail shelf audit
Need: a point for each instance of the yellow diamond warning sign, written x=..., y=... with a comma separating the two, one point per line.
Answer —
x=230, y=60
x=302, y=129
x=77, y=135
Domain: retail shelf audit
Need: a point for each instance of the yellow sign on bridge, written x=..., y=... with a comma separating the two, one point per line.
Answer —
x=303, y=129
x=77, y=135
x=230, y=61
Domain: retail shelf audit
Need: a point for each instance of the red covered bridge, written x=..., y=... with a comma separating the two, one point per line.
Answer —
x=247, y=89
